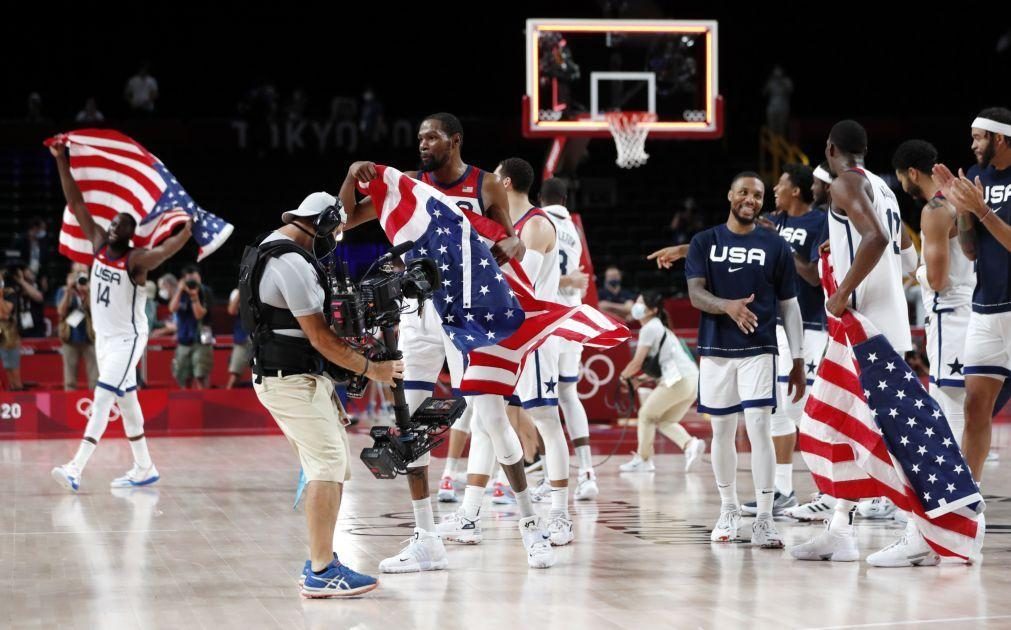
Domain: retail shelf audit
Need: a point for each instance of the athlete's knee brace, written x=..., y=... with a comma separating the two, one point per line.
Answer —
x=133, y=416
x=98, y=416
x=490, y=413
x=463, y=423
x=782, y=424
x=556, y=450
x=481, y=460
x=575, y=414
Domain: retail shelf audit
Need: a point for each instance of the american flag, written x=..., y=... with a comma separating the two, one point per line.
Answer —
x=488, y=311
x=117, y=174
x=870, y=429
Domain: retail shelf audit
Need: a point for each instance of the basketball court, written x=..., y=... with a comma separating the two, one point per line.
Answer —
x=216, y=544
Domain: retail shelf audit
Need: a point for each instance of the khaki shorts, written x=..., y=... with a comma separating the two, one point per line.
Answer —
x=238, y=363
x=313, y=420
x=194, y=361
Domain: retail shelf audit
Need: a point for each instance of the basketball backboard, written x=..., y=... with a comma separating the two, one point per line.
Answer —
x=579, y=70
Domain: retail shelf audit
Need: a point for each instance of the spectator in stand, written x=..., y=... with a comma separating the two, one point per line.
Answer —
x=35, y=114
x=614, y=300
x=31, y=319
x=75, y=330
x=778, y=89
x=238, y=364
x=685, y=222
x=33, y=246
x=141, y=90
x=372, y=124
x=10, y=337
x=166, y=288
x=90, y=114
x=191, y=305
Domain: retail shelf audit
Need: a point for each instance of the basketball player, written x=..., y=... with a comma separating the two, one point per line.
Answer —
x=740, y=277
x=426, y=346
x=946, y=277
x=983, y=201
x=870, y=253
x=118, y=275
x=537, y=388
x=801, y=227
x=571, y=289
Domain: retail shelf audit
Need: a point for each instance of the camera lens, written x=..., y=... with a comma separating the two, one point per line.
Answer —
x=82, y=280
x=191, y=284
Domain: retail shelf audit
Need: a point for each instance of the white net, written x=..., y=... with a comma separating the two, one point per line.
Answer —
x=630, y=131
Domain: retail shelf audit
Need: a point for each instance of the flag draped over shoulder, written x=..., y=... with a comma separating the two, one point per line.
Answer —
x=489, y=312
x=870, y=429
x=117, y=174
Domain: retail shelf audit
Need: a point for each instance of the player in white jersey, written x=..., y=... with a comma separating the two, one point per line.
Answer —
x=947, y=279
x=118, y=275
x=537, y=388
x=571, y=289
x=870, y=253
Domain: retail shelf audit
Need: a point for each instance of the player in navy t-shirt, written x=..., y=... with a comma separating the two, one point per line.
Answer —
x=801, y=227
x=983, y=203
x=741, y=277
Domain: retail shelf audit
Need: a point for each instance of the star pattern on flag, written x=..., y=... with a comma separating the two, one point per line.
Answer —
x=911, y=422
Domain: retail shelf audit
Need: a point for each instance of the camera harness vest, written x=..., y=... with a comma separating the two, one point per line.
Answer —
x=273, y=352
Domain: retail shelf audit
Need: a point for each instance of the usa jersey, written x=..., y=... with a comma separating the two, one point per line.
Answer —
x=570, y=251
x=117, y=304
x=961, y=280
x=880, y=296
x=802, y=234
x=464, y=192
x=546, y=282
x=734, y=267
x=993, y=262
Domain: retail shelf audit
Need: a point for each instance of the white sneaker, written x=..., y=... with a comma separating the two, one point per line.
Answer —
x=424, y=552
x=727, y=526
x=458, y=528
x=992, y=456
x=910, y=550
x=67, y=476
x=876, y=508
x=818, y=509
x=560, y=530
x=765, y=535
x=447, y=491
x=780, y=503
x=828, y=545
x=537, y=542
x=586, y=489
x=901, y=516
x=638, y=464
x=136, y=476
x=693, y=454
x=501, y=494
x=541, y=492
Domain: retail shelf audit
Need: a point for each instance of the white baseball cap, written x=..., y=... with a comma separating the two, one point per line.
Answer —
x=312, y=205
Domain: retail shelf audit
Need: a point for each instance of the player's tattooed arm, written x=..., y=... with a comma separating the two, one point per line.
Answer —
x=75, y=200
x=737, y=310
x=358, y=211
x=849, y=191
x=936, y=224
x=497, y=209
x=964, y=219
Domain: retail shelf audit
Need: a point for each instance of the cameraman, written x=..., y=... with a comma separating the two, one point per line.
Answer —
x=284, y=306
x=75, y=331
x=191, y=305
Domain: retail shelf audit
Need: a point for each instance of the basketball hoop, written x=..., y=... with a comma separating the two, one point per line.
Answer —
x=630, y=131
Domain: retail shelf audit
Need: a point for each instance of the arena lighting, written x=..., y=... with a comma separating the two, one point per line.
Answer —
x=537, y=26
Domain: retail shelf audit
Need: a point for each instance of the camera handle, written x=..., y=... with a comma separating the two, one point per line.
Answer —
x=400, y=408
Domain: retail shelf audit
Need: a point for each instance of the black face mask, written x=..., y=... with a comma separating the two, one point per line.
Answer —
x=614, y=284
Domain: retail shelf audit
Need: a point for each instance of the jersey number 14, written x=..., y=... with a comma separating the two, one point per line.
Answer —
x=103, y=294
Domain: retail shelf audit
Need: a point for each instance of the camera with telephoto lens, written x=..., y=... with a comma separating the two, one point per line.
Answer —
x=192, y=284
x=82, y=279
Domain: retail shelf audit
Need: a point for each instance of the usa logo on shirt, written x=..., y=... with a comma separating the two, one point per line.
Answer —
x=737, y=255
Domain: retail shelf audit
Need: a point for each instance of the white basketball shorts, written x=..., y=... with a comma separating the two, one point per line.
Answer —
x=117, y=358
x=731, y=385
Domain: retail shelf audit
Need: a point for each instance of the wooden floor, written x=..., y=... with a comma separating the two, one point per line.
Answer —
x=216, y=545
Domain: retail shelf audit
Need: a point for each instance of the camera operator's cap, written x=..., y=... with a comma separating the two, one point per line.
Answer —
x=312, y=205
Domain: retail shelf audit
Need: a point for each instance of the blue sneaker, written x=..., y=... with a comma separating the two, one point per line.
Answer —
x=306, y=568
x=67, y=476
x=337, y=581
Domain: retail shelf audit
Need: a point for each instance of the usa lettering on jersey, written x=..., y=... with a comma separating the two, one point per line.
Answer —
x=997, y=194
x=737, y=255
x=794, y=235
x=108, y=275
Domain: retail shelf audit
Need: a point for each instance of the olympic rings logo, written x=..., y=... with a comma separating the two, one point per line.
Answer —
x=589, y=375
x=694, y=115
x=84, y=406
